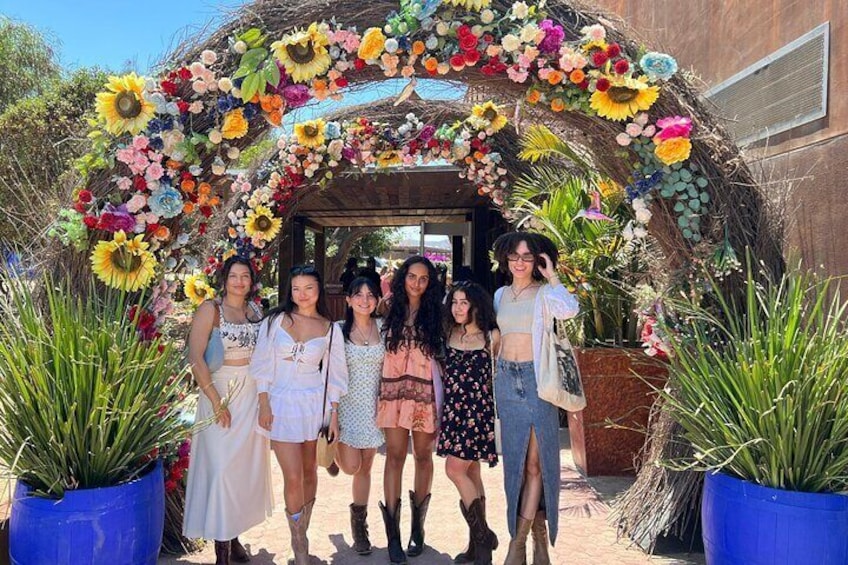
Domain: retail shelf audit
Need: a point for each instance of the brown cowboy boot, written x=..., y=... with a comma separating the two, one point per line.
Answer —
x=359, y=528
x=222, y=553
x=392, y=523
x=299, y=543
x=480, y=532
x=468, y=555
x=540, y=540
x=237, y=552
x=517, y=554
x=419, y=514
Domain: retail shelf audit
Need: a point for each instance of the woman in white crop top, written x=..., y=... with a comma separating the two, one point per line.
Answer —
x=297, y=352
x=229, y=487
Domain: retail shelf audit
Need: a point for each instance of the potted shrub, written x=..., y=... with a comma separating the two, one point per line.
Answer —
x=585, y=215
x=86, y=400
x=761, y=391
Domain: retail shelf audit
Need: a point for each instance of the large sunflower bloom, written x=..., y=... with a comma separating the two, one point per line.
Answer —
x=304, y=53
x=197, y=289
x=469, y=4
x=487, y=116
x=261, y=224
x=123, y=263
x=123, y=105
x=388, y=158
x=310, y=133
x=624, y=99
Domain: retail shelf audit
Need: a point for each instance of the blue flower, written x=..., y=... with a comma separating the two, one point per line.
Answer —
x=156, y=143
x=333, y=130
x=643, y=186
x=658, y=66
x=158, y=125
x=403, y=42
x=225, y=104
x=249, y=111
x=166, y=202
x=428, y=8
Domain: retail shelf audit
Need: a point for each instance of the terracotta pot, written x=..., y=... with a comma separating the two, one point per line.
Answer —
x=612, y=381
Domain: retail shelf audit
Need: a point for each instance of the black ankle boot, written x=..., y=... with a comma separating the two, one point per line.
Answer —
x=419, y=514
x=222, y=553
x=237, y=552
x=392, y=522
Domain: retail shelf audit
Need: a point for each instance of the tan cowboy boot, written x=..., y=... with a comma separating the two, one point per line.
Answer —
x=540, y=540
x=299, y=543
x=517, y=554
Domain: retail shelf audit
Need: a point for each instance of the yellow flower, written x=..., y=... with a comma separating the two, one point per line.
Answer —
x=197, y=289
x=123, y=106
x=304, y=53
x=123, y=263
x=595, y=44
x=609, y=189
x=261, y=224
x=673, y=150
x=487, y=116
x=235, y=125
x=388, y=158
x=373, y=43
x=469, y=4
x=624, y=99
x=310, y=133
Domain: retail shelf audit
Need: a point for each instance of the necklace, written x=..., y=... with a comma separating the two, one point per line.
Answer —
x=516, y=295
x=365, y=339
x=468, y=336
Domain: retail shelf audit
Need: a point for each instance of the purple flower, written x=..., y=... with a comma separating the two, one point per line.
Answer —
x=185, y=448
x=296, y=95
x=427, y=133
x=554, y=35
x=349, y=153
x=114, y=219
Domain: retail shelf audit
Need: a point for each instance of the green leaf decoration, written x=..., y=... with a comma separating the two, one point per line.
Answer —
x=253, y=58
x=253, y=84
x=272, y=73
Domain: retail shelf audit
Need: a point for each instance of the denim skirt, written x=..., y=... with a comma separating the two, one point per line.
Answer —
x=521, y=410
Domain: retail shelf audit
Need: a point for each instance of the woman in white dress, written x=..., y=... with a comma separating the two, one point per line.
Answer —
x=360, y=437
x=299, y=352
x=229, y=487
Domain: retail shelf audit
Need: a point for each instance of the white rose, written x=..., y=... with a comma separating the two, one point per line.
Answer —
x=510, y=43
x=528, y=33
x=520, y=10
x=233, y=152
x=225, y=85
x=432, y=42
x=643, y=215
x=391, y=45
x=215, y=136
x=199, y=86
x=208, y=57
x=240, y=47
x=442, y=28
x=487, y=16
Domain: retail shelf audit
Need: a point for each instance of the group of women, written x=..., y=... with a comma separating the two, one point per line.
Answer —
x=413, y=364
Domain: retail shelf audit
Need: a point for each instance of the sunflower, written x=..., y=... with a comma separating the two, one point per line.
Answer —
x=123, y=106
x=310, y=133
x=261, y=224
x=624, y=99
x=487, y=116
x=123, y=263
x=197, y=289
x=304, y=53
x=388, y=158
x=469, y=4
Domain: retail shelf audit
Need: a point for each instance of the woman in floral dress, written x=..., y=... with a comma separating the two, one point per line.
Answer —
x=467, y=434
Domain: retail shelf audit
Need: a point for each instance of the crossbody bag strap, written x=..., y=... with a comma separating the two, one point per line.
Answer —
x=327, y=373
x=492, y=365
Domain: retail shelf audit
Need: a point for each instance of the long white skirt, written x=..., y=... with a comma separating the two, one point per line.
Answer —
x=229, y=474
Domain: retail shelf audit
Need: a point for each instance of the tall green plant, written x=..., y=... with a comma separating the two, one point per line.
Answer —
x=761, y=388
x=84, y=401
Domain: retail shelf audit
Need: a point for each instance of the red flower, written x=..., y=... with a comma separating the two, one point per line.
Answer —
x=152, y=228
x=583, y=85
x=621, y=66
x=79, y=207
x=468, y=42
x=359, y=64
x=206, y=211
x=341, y=82
x=602, y=85
x=472, y=57
x=183, y=106
x=613, y=50
x=599, y=58
x=463, y=30
x=84, y=196
x=185, y=175
x=169, y=87
x=184, y=73
x=457, y=61
x=139, y=184
x=90, y=222
x=170, y=485
x=488, y=38
x=201, y=229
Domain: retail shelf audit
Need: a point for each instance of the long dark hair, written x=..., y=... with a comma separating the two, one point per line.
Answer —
x=427, y=325
x=481, y=309
x=536, y=243
x=225, y=273
x=355, y=285
x=288, y=306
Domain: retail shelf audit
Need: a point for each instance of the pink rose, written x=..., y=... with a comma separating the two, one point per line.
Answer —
x=671, y=127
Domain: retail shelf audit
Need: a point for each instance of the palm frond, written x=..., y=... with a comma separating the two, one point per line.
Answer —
x=540, y=143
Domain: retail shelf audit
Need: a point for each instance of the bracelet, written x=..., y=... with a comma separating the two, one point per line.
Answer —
x=333, y=409
x=207, y=385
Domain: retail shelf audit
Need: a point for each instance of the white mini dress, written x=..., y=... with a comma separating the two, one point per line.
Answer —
x=293, y=374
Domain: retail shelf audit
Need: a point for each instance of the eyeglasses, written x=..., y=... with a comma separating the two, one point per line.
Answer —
x=303, y=270
x=526, y=258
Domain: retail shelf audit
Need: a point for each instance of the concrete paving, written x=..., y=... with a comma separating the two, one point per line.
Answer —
x=585, y=536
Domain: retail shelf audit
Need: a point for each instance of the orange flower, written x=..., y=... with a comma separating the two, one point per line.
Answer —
x=232, y=232
x=275, y=117
x=469, y=161
x=534, y=96
x=162, y=232
x=418, y=47
x=270, y=102
x=320, y=89
x=255, y=98
x=172, y=164
x=188, y=207
x=188, y=185
x=431, y=64
x=214, y=201
x=577, y=76
x=204, y=189
x=555, y=77
x=478, y=155
x=557, y=105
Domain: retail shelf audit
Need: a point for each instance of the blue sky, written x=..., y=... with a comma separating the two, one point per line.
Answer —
x=110, y=33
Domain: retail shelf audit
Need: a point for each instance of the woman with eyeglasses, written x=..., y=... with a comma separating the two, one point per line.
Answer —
x=467, y=434
x=360, y=436
x=229, y=478
x=525, y=309
x=300, y=372
x=407, y=401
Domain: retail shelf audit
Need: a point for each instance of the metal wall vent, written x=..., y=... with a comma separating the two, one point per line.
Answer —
x=782, y=91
